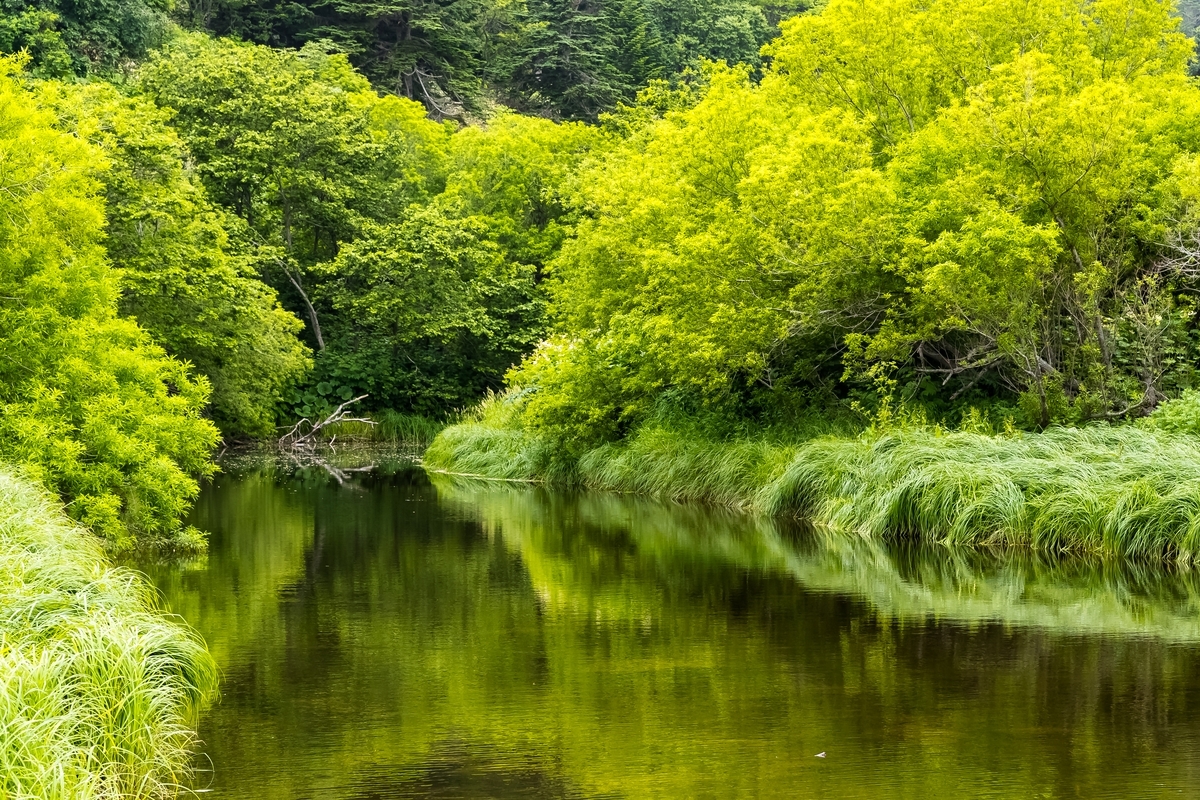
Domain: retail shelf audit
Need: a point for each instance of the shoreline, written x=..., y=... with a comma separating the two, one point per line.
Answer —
x=1126, y=491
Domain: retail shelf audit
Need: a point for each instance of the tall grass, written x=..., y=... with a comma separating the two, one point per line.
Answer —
x=390, y=427
x=1123, y=490
x=98, y=691
x=488, y=442
x=659, y=462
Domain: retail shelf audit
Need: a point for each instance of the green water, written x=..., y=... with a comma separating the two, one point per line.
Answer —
x=389, y=637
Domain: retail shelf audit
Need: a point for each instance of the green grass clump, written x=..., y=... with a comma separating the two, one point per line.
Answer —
x=489, y=442
x=659, y=462
x=409, y=429
x=1124, y=490
x=98, y=691
x=1130, y=490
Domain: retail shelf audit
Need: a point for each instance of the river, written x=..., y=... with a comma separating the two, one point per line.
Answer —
x=389, y=635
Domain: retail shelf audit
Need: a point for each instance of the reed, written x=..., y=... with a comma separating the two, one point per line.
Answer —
x=1120, y=490
x=98, y=690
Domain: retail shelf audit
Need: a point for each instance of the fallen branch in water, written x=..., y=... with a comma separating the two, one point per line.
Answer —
x=298, y=437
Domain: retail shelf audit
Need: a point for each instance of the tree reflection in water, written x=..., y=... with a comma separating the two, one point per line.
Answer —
x=388, y=637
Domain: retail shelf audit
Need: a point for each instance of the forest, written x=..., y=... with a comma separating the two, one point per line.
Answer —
x=212, y=237
x=912, y=268
x=573, y=226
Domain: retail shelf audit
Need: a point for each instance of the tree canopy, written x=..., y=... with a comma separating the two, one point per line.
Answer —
x=947, y=200
x=88, y=403
x=562, y=58
x=189, y=275
x=80, y=38
x=412, y=249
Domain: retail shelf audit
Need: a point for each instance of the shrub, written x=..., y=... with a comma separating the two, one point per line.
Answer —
x=88, y=403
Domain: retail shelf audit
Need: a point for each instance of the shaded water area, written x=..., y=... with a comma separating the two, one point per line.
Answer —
x=389, y=636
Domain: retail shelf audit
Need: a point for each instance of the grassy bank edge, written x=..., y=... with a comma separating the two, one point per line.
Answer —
x=1112, y=490
x=99, y=690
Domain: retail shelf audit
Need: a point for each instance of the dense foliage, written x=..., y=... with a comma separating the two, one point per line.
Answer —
x=412, y=251
x=66, y=37
x=218, y=181
x=188, y=276
x=88, y=403
x=944, y=203
x=564, y=58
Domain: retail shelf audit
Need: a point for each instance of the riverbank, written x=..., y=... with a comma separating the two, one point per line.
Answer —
x=98, y=690
x=1110, y=490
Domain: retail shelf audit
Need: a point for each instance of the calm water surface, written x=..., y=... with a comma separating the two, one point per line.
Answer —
x=389, y=637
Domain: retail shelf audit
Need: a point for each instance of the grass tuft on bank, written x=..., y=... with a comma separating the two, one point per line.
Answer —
x=1129, y=490
x=489, y=442
x=98, y=690
x=1124, y=490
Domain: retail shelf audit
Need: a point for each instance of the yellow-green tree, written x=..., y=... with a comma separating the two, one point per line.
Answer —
x=89, y=404
x=189, y=276
x=962, y=201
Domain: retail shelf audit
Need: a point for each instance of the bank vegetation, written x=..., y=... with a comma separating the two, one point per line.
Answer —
x=99, y=691
x=932, y=274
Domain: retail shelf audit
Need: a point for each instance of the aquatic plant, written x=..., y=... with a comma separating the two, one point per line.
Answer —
x=98, y=690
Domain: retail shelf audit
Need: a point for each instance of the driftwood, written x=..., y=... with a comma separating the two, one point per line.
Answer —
x=303, y=435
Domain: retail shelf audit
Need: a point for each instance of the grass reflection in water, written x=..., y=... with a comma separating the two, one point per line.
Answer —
x=387, y=637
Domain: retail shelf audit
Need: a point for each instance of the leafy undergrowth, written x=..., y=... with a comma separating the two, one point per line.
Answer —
x=98, y=690
x=1123, y=490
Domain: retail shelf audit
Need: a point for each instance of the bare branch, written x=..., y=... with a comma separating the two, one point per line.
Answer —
x=294, y=439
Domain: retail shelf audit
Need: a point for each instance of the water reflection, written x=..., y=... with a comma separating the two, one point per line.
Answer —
x=385, y=638
x=1077, y=594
